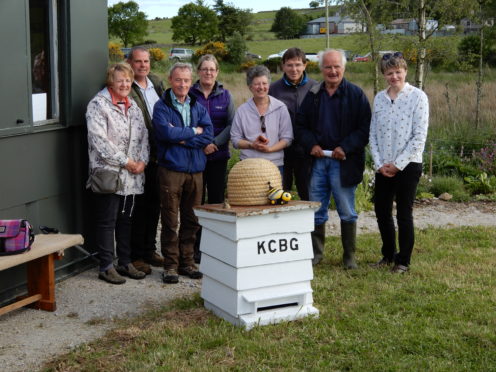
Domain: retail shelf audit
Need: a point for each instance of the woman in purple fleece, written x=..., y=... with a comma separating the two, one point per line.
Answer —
x=220, y=106
x=218, y=101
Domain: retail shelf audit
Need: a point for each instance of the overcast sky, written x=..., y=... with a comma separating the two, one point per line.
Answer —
x=162, y=8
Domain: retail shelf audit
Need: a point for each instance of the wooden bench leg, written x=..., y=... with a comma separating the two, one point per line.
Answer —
x=41, y=280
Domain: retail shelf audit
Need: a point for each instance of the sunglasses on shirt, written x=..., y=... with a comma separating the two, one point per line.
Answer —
x=387, y=56
x=262, y=123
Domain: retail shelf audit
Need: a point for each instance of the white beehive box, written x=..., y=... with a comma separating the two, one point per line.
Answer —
x=257, y=262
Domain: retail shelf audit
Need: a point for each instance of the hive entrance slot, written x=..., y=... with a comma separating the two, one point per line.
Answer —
x=279, y=306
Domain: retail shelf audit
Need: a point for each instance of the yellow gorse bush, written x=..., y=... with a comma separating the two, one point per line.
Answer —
x=115, y=53
x=217, y=48
x=245, y=66
x=156, y=54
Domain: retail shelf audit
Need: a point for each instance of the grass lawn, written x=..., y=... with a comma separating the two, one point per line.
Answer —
x=438, y=317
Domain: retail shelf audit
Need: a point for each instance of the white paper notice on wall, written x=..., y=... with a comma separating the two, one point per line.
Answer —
x=39, y=107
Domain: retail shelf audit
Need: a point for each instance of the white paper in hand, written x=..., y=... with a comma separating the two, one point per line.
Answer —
x=327, y=153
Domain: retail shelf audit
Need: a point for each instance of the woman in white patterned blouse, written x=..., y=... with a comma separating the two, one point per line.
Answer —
x=398, y=131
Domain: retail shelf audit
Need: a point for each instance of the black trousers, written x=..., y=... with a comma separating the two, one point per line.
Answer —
x=145, y=216
x=112, y=216
x=214, y=186
x=298, y=167
x=214, y=181
x=402, y=187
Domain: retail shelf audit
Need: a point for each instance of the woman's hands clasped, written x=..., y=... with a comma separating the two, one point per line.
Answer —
x=388, y=170
x=135, y=167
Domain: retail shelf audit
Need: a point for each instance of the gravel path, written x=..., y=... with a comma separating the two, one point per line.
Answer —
x=29, y=337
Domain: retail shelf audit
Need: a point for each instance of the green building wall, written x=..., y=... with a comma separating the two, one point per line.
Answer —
x=44, y=168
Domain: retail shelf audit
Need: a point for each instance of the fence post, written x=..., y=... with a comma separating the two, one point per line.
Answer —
x=430, y=162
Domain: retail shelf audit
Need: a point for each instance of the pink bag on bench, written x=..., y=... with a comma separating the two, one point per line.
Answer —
x=16, y=236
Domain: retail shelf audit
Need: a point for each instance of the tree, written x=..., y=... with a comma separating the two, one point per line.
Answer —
x=232, y=19
x=371, y=13
x=236, y=47
x=194, y=24
x=443, y=12
x=486, y=8
x=287, y=24
x=314, y=4
x=127, y=23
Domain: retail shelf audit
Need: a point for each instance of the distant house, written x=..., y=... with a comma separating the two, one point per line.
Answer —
x=409, y=26
x=337, y=25
x=470, y=27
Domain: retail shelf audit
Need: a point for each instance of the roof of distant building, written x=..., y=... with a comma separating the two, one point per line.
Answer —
x=335, y=19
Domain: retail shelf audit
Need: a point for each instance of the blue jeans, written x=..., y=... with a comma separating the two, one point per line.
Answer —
x=325, y=182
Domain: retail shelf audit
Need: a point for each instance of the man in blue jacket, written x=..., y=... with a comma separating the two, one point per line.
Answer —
x=333, y=127
x=182, y=129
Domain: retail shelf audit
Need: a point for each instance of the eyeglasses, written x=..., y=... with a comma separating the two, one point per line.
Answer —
x=387, y=56
x=211, y=70
x=262, y=124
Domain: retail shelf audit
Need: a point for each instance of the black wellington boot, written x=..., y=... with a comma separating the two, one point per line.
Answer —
x=318, y=243
x=348, y=239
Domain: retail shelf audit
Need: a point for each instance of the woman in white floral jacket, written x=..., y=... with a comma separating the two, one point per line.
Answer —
x=398, y=131
x=117, y=141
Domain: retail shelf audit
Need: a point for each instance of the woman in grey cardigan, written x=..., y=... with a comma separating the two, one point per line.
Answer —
x=262, y=126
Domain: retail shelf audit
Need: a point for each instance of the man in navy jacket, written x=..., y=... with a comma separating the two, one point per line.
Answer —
x=291, y=88
x=333, y=127
x=182, y=129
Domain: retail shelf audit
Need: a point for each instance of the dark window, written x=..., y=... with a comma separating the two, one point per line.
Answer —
x=44, y=78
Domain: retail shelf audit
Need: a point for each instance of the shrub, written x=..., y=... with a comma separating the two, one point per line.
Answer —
x=115, y=52
x=217, y=48
x=468, y=51
x=411, y=54
x=424, y=195
x=424, y=187
x=446, y=162
x=441, y=184
x=486, y=159
x=488, y=197
x=156, y=54
x=365, y=192
x=233, y=159
x=150, y=41
x=312, y=67
x=273, y=64
x=245, y=66
x=481, y=184
x=461, y=196
x=441, y=52
x=451, y=185
x=236, y=48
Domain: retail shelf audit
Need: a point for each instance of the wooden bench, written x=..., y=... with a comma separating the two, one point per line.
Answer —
x=40, y=262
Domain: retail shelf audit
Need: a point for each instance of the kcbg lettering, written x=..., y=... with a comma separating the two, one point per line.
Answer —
x=273, y=246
